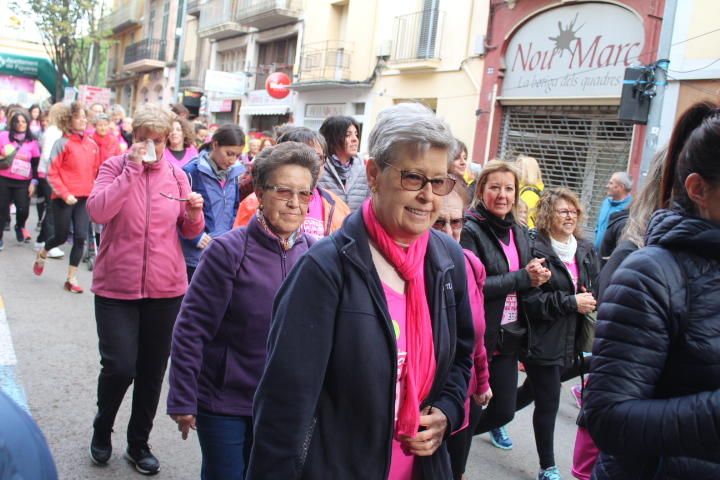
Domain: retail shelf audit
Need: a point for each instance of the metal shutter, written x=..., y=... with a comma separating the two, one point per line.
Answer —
x=578, y=147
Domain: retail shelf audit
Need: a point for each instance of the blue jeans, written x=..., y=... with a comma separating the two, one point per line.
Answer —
x=225, y=442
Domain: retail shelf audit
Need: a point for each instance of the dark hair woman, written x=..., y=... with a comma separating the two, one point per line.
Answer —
x=214, y=174
x=19, y=151
x=372, y=333
x=653, y=391
x=181, y=147
x=344, y=169
x=139, y=280
x=555, y=311
x=224, y=321
x=74, y=163
x=493, y=235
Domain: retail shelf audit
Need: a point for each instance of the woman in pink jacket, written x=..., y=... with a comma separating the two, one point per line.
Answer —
x=139, y=279
x=450, y=221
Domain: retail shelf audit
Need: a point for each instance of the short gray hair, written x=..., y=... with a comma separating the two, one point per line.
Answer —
x=408, y=125
x=624, y=179
x=287, y=153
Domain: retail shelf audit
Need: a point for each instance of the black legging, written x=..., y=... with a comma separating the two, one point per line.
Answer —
x=63, y=214
x=46, y=229
x=503, y=381
x=14, y=191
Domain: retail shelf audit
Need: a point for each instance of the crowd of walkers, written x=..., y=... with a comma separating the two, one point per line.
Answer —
x=333, y=315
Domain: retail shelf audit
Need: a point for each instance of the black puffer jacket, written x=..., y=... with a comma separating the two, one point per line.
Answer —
x=552, y=309
x=652, y=403
x=616, y=225
x=478, y=237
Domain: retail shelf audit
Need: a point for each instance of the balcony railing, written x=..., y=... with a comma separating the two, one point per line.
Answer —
x=261, y=72
x=124, y=16
x=263, y=14
x=218, y=19
x=328, y=61
x=148, y=49
x=417, y=39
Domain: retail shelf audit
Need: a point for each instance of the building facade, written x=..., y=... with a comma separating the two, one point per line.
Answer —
x=552, y=82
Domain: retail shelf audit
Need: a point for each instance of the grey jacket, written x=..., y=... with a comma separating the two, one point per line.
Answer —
x=355, y=190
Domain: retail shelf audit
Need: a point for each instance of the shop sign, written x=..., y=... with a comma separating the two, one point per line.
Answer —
x=579, y=50
x=90, y=95
x=324, y=110
x=226, y=84
x=219, y=105
x=257, y=98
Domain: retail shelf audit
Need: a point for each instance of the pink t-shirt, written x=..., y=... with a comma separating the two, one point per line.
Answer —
x=401, y=463
x=315, y=219
x=510, y=311
x=574, y=272
x=20, y=168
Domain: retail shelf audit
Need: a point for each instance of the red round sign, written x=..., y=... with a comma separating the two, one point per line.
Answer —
x=277, y=85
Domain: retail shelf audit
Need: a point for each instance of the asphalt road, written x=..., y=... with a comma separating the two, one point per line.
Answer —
x=55, y=342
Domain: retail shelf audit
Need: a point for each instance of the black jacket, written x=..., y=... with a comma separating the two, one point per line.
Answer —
x=616, y=225
x=652, y=402
x=552, y=309
x=325, y=405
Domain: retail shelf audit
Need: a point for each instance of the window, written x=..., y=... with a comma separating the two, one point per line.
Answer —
x=277, y=56
x=232, y=60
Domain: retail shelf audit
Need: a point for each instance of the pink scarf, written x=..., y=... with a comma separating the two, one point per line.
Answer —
x=420, y=367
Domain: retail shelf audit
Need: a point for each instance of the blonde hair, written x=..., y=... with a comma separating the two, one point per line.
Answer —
x=546, y=209
x=56, y=112
x=496, y=166
x=529, y=170
x=65, y=116
x=155, y=118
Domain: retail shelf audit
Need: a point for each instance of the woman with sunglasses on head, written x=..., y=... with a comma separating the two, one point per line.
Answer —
x=372, y=331
x=215, y=174
x=326, y=212
x=555, y=311
x=139, y=279
x=493, y=235
x=219, y=343
x=344, y=169
x=450, y=220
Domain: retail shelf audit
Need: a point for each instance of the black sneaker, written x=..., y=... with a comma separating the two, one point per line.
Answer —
x=143, y=461
x=100, y=448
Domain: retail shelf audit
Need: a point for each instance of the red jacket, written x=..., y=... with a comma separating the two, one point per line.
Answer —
x=74, y=164
x=109, y=145
x=140, y=254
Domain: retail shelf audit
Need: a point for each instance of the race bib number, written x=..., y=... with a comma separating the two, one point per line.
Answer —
x=510, y=312
x=20, y=167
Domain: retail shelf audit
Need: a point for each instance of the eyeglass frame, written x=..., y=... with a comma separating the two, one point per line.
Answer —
x=568, y=213
x=426, y=180
x=460, y=220
x=297, y=193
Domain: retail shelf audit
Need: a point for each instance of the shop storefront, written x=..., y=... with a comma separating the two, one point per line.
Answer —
x=261, y=112
x=552, y=89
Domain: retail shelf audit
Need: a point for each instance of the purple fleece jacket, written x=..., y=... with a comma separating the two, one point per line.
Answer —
x=219, y=341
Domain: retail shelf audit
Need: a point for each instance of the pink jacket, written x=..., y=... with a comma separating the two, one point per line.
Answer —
x=140, y=254
x=479, y=375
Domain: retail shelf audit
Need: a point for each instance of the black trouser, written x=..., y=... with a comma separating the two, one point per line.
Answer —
x=503, y=381
x=14, y=191
x=134, y=342
x=459, y=444
x=63, y=215
x=45, y=213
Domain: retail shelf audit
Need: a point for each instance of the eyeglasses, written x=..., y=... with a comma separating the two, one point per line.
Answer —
x=173, y=198
x=455, y=223
x=287, y=193
x=567, y=213
x=414, y=182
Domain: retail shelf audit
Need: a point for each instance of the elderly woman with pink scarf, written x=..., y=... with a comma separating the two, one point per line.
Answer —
x=369, y=353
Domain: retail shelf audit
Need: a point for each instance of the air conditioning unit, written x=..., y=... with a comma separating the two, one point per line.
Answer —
x=385, y=48
x=479, y=46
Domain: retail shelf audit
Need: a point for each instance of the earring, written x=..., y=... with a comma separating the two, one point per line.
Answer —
x=373, y=189
x=260, y=207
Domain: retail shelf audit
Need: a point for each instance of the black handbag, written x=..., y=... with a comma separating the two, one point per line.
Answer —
x=586, y=332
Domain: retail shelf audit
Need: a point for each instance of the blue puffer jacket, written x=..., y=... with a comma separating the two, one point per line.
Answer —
x=652, y=402
x=221, y=202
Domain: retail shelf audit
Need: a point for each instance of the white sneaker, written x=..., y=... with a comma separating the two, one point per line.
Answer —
x=38, y=246
x=55, y=253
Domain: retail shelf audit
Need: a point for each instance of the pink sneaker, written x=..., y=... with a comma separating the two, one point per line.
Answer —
x=576, y=392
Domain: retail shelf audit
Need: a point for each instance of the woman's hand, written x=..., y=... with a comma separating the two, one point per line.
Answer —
x=70, y=199
x=194, y=206
x=538, y=273
x=482, y=399
x=204, y=241
x=136, y=152
x=585, y=302
x=184, y=423
x=425, y=443
x=31, y=190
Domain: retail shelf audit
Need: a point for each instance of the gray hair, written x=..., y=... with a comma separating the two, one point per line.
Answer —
x=287, y=153
x=645, y=203
x=117, y=109
x=302, y=135
x=624, y=179
x=408, y=126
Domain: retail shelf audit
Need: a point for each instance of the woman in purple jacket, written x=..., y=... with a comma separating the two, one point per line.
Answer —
x=219, y=342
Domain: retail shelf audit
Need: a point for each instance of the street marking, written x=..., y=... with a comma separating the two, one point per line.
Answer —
x=8, y=377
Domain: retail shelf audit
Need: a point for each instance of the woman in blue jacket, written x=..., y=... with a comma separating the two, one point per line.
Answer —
x=370, y=347
x=653, y=395
x=220, y=337
x=214, y=174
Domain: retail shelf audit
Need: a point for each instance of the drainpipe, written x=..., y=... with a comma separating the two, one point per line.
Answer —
x=181, y=50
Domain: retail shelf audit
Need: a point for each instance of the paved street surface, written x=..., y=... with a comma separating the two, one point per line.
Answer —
x=55, y=343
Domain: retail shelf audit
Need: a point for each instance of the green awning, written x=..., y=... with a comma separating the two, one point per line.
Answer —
x=41, y=69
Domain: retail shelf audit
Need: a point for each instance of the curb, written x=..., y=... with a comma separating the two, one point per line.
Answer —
x=9, y=382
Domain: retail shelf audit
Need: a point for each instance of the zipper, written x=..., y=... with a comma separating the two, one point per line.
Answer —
x=283, y=263
x=306, y=444
x=147, y=231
